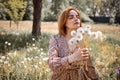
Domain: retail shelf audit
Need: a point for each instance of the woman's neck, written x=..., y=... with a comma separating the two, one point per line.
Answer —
x=68, y=35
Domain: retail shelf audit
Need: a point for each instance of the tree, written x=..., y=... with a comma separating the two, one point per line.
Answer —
x=15, y=9
x=57, y=6
x=36, y=28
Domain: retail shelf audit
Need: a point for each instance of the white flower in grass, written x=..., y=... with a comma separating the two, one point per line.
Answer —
x=9, y=44
x=1, y=60
x=33, y=39
x=25, y=59
x=29, y=59
x=41, y=49
x=36, y=57
x=80, y=30
x=22, y=62
x=6, y=62
x=45, y=59
x=35, y=66
x=6, y=42
x=99, y=33
x=25, y=66
x=73, y=33
x=33, y=45
x=40, y=62
x=3, y=57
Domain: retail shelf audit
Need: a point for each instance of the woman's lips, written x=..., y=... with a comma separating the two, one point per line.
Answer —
x=76, y=23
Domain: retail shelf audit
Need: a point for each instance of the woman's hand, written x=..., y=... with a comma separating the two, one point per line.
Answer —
x=79, y=55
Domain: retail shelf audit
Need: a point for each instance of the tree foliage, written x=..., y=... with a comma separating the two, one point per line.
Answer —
x=15, y=9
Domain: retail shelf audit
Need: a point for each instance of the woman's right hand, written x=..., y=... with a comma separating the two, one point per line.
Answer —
x=79, y=55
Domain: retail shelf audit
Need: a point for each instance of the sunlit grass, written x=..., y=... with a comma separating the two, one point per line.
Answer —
x=24, y=57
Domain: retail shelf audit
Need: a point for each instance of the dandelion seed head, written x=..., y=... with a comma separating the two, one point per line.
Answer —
x=35, y=66
x=99, y=33
x=80, y=30
x=79, y=36
x=45, y=59
x=41, y=49
x=9, y=44
x=25, y=66
x=22, y=62
x=72, y=41
x=33, y=45
x=1, y=60
x=6, y=42
x=6, y=62
x=40, y=62
x=73, y=33
x=88, y=27
x=33, y=39
x=94, y=35
x=3, y=57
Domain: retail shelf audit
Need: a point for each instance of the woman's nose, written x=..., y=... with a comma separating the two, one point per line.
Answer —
x=75, y=18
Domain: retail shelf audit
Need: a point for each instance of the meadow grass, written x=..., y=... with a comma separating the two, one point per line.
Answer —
x=24, y=57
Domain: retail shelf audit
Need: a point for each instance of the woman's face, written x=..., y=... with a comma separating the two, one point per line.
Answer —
x=73, y=20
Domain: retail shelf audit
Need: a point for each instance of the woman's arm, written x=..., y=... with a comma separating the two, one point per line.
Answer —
x=55, y=62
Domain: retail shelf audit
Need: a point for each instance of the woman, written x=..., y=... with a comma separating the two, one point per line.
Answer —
x=64, y=60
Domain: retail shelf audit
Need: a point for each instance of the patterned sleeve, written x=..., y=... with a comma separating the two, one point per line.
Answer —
x=55, y=62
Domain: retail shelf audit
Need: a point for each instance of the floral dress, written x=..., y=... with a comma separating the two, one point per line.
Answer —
x=61, y=69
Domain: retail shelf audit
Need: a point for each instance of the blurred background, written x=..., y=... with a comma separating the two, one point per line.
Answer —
x=27, y=25
x=104, y=11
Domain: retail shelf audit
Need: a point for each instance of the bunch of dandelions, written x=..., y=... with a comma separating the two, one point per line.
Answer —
x=81, y=35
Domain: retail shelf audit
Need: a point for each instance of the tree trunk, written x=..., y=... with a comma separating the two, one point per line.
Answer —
x=36, y=28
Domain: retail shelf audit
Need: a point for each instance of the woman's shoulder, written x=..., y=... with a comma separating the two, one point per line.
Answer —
x=56, y=36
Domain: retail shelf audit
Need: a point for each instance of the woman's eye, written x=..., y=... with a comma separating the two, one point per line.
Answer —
x=70, y=17
x=78, y=16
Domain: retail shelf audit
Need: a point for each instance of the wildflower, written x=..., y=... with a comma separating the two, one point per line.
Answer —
x=1, y=60
x=6, y=62
x=22, y=62
x=6, y=42
x=35, y=66
x=3, y=57
x=41, y=49
x=33, y=45
x=9, y=44
x=118, y=70
x=33, y=39
x=28, y=59
x=40, y=62
x=45, y=59
x=25, y=66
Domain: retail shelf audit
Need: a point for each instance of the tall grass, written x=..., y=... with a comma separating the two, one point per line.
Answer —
x=24, y=57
